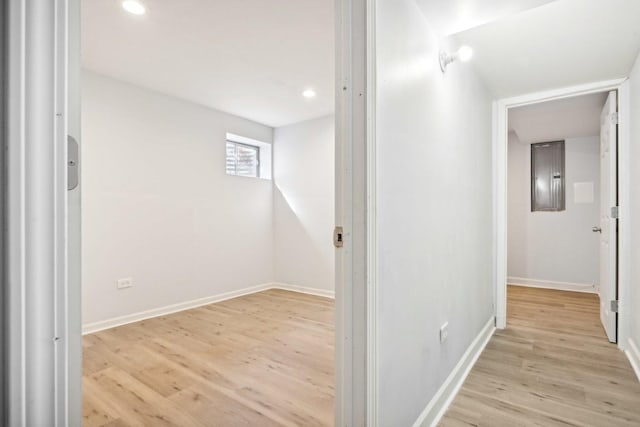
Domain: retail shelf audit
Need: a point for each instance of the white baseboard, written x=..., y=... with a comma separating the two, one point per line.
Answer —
x=633, y=354
x=90, y=328
x=501, y=322
x=549, y=284
x=311, y=291
x=448, y=391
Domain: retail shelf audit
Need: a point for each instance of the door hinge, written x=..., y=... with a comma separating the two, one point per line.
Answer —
x=615, y=118
x=615, y=306
x=338, y=237
x=615, y=212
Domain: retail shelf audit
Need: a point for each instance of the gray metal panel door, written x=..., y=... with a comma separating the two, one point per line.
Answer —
x=547, y=176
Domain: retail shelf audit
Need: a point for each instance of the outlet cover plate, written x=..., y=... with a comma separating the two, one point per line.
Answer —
x=124, y=283
x=444, y=332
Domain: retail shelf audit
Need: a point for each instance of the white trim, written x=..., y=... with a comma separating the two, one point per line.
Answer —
x=16, y=367
x=500, y=134
x=39, y=333
x=624, y=198
x=496, y=210
x=74, y=244
x=351, y=85
x=633, y=354
x=63, y=328
x=500, y=173
x=561, y=93
x=550, y=284
x=91, y=328
x=101, y=325
x=343, y=257
x=303, y=290
x=439, y=404
x=372, y=404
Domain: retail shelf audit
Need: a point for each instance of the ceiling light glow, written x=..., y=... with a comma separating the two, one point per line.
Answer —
x=309, y=93
x=134, y=7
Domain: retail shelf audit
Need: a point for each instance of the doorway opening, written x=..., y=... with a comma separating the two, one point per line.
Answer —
x=501, y=136
x=208, y=199
x=562, y=185
x=559, y=337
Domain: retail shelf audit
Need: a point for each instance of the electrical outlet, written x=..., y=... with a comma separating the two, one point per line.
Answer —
x=444, y=332
x=124, y=283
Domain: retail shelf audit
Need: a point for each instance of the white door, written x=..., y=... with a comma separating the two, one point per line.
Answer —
x=608, y=224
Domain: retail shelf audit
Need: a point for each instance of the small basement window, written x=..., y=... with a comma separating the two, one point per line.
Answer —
x=248, y=157
x=547, y=176
x=243, y=159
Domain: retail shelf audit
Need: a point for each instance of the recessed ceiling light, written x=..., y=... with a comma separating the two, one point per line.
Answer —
x=134, y=7
x=309, y=93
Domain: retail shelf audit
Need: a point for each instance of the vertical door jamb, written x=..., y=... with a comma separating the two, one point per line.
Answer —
x=74, y=291
x=3, y=207
x=351, y=210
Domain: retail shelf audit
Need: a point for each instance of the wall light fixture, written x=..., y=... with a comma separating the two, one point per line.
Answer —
x=463, y=54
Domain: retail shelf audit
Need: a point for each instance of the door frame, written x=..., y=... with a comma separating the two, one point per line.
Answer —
x=38, y=339
x=500, y=140
x=46, y=248
x=356, y=305
x=3, y=145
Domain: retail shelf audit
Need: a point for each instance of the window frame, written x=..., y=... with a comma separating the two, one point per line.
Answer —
x=237, y=144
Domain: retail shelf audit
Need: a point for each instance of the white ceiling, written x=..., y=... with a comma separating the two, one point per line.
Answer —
x=562, y=43
x=557, y=120
x=252, y=58
x=453, y=16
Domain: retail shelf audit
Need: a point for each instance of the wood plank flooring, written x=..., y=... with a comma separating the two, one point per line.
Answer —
x=552, y=366
x=264, y=359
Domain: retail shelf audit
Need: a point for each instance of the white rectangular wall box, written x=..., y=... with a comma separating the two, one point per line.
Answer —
x=583, y=192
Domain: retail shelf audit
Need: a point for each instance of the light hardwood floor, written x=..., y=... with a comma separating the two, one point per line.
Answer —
x=552, y=366
x=264, y=359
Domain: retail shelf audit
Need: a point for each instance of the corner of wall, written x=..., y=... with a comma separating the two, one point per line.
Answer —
x=633, y=354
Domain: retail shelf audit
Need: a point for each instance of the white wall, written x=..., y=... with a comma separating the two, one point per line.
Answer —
x=634, y=223
x=158, y=206
x=434, y=195
x=554, y=249
x=304, y=204
x=517, y=205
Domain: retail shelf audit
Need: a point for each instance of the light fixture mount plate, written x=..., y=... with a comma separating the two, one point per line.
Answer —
x=445, y=59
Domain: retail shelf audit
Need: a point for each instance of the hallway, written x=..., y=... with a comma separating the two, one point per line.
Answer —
x=552, y=366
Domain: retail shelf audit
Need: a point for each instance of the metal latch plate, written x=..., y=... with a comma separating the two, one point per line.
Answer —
x=338, y=240
x=73, y=171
